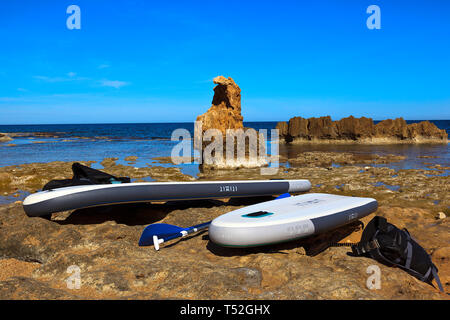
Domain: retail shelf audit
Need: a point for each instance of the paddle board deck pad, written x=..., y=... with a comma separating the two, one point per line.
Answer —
x=287, y=219
x=78, y=197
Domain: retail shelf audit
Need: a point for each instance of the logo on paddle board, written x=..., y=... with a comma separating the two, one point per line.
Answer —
x=299, y=229
x=228, y=188
x=352, y=216
x=308, y=203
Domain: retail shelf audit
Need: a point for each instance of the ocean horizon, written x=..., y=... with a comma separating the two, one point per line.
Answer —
x=35, y=143
x=182, y=122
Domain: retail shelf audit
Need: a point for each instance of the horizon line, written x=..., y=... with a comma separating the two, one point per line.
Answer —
x=100, y=123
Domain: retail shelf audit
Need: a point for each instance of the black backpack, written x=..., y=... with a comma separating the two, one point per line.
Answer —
x=83, y=175
x=391, y=246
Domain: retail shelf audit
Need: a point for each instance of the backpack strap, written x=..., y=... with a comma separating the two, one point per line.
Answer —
x=436, y=277
x=362, y=248
x=372, y=248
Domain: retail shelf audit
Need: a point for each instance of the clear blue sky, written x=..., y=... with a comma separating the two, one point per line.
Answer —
x=153, y=61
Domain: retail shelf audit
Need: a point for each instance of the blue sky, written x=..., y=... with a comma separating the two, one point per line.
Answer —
x=154, y=61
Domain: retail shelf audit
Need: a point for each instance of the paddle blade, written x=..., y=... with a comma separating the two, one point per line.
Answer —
x=158, y=229
x=284, y=195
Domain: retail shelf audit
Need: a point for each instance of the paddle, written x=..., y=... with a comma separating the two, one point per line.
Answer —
x=158, y=233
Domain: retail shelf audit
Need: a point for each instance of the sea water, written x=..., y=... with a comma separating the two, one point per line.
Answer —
x=84, y=142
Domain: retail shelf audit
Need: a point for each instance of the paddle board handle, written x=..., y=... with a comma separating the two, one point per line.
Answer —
x=156, y=242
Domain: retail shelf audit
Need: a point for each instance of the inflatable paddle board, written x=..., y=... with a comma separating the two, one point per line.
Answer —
x=77, y=197
x=287, y=219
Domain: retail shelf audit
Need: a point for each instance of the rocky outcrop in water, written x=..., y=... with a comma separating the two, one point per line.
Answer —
x=4, y=137
x=363, y=130
x=224, y=116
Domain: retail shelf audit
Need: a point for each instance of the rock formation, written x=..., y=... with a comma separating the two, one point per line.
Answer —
x=4, y=137
x=362, y=130
x=224, y=118
x=225, y=111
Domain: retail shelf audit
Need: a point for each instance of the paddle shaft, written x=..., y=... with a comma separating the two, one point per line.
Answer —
x=157, y=241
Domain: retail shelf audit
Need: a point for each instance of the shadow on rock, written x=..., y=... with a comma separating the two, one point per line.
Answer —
x=187, y=238
x=249, y=201
x=133, y=214
x=128, y=214
x=313, y=245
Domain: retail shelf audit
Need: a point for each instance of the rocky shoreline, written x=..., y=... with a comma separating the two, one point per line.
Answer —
x=52, y=137
x=35, y=253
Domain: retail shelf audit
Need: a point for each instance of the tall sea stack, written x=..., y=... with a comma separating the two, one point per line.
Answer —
x=224, y=117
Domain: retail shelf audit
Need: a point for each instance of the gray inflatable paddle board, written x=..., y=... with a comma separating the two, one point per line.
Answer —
x=287, y=219
x=77, y=197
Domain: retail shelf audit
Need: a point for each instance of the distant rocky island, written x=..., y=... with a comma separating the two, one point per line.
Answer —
x=359, y=130
x=4, y=137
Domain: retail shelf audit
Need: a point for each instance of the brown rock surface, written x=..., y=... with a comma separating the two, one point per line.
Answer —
x=112, y=265
x=362, y=129
x=326, y=159
x=4, y=137
x=102, y=242
x=425, y=129
x=16, y=268
x=354, y=128
x=32, y=177
x=283, y=128
x=397, y=129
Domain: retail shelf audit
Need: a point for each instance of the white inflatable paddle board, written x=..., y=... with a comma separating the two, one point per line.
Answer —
x=287, y=219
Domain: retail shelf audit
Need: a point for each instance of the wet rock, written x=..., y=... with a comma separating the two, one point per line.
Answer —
x=326, y=159
x=5, y=180
x=4, y=137
x=109, y=162
x=441, y=215
x=32, y=177
x=131, y=159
